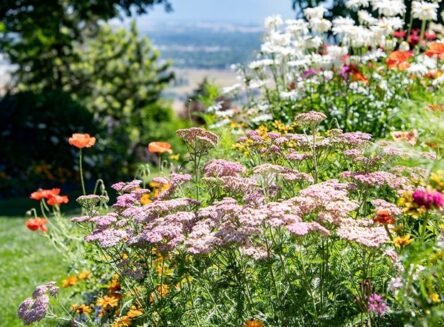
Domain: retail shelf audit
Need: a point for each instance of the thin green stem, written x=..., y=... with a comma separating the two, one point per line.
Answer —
x=81, y=171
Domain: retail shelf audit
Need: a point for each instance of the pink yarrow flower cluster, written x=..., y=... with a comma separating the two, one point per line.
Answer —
x=34, y=308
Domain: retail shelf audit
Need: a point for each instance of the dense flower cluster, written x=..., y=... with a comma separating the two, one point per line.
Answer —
x=293, y=224
x=300, y=66
x=35, y=308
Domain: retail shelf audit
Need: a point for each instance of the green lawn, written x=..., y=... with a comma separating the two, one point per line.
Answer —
x=26, y=260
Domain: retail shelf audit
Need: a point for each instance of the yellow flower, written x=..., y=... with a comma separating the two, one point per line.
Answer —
x=262, y=131
x=81, y=309
x=253, y=323
x=434, y=297
x=123, y=321
x=84, y=275
x=281, y=127
x=107, y=301
x=70, y=281
x=145, y=199
x=161, y=290
x=183, y=282
x=134, y=312
x=175, y=157
x=437, y=179
x=402, y=241
x=409, y=207
x=163, y=270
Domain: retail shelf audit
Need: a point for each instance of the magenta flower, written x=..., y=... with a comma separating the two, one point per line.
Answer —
x=438, y=199
x=376, y=304
x=422, y=198
x=427, y=199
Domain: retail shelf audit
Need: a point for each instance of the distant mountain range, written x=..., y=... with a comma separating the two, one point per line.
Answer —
x=204, y=45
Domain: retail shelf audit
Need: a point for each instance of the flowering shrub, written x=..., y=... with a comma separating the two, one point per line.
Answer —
x=305, y=228
x=357, y=70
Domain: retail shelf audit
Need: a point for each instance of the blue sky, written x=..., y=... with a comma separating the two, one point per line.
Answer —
x=221, y=11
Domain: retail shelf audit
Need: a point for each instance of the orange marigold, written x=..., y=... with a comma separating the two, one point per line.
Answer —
x=134, y=312
x=123, y=321
x=107, y=301
x=402, y=241
x=70, y=281
x=81, y=309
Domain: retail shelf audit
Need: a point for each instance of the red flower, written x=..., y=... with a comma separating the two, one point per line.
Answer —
x=399, y=34
x=44, y=194
x=384, y=217
x=82, y=140
x=36, y=224
x=57, y=200
x=414, y=38
x=430, y=36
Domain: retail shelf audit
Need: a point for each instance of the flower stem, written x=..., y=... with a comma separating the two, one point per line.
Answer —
x=81, y=171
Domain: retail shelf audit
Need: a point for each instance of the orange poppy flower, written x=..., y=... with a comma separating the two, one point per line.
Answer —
x=44, y=194
x=399, y=59
x=435, y=49
x=57, y=200
x=82, y=140
x=159, y=147
x=36, y=224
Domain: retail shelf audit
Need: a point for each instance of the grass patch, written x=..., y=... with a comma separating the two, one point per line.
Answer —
x=27, y=260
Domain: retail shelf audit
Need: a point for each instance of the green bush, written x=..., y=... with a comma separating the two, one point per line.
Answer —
x=35, y=128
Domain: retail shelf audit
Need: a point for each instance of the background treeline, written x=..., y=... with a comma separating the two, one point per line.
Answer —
x=75, y=73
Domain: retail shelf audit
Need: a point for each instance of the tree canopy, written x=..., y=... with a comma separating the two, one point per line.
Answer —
x=39, y=36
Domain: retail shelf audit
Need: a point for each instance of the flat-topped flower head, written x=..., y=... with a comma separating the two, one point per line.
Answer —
x=220, y=167
x=310, y=118
x=81, y=141
x=198, y=137
x=91, y=200
x=159, y=147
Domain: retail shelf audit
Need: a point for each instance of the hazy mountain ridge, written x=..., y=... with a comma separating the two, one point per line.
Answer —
x=204, y=45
